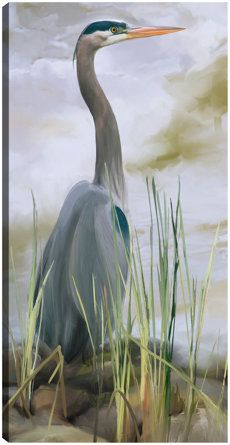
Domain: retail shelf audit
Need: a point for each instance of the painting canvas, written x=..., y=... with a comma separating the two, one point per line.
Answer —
x=115, y=222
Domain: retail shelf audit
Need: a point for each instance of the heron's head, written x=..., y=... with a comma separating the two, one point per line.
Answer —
x=103, y=33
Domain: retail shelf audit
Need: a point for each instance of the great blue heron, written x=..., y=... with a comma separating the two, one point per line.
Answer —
x=81, y=245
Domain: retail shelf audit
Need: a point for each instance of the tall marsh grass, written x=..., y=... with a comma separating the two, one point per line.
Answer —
x=26, y=355
x=170, y=276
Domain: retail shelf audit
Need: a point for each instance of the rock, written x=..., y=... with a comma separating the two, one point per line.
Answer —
x=86, y=378
x=56, y=433
x=15, y=423
x=176, y=405
x=43, y=350
x=211, y=387
x=203, y=428
x=177, y=402
x=77, y=401
x=45, y=373
x=218, y=426
x=199, y=427
x=198, y=430
x=107, y=423
x=41, y=417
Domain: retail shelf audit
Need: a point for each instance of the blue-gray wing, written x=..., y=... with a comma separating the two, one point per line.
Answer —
x=89, y=244
x=99, y=257
x=61, y=321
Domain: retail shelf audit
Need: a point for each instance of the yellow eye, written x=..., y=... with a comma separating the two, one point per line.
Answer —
x=113, y=29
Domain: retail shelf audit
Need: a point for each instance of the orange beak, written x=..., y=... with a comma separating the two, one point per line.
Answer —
x=136, y=33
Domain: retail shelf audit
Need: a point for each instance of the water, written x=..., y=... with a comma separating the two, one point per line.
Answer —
x=169, y=97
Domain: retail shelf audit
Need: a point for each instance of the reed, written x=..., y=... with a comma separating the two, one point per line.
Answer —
x=156, y=364
x=194, y=307
x=155, y=381
x=170, y=276
x=26, y=356
x=95, y=336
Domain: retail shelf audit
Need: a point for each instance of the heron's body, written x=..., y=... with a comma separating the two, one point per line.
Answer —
x=90, y=241
x=80, y=246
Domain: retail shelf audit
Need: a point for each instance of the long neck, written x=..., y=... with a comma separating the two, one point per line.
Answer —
x=108, y=169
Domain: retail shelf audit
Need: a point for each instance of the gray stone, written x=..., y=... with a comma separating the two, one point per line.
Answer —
x=77, y=401
x=86, y=378
x=107, y=423
x=203, y=428
x=177, y=402
x=14, y=422
x=56, y=433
